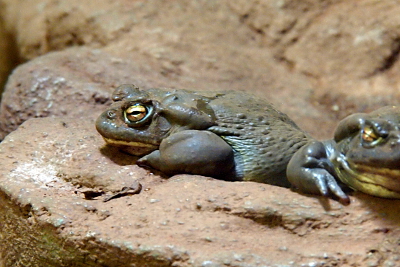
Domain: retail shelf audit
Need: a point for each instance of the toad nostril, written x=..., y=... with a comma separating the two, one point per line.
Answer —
x=111, y=114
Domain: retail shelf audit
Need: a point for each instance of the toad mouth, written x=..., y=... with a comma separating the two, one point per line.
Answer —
x=132, y=147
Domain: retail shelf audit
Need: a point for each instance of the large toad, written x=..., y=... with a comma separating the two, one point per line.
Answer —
x=235, y=136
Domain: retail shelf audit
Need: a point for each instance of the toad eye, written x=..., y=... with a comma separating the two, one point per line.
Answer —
x=370, y=136
x=136, y=113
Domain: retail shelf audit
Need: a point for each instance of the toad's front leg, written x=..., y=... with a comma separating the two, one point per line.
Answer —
x=194, y=152
x=310, y=171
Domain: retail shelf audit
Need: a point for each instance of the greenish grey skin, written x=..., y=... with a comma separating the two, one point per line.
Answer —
x=235, y=136
x=364, y=155
x=228, y=135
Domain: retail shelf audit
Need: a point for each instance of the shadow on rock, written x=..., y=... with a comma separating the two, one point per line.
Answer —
x=385, y=210
x=117, y=156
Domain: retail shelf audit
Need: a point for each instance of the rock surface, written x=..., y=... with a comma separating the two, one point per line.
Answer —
x=348, y=61
x=54, y=178
x=74, y=83
x=78, y=82
x=305, y=56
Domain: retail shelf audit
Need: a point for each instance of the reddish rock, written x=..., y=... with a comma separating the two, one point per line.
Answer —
x=350, y=60
x=304, y=56
x=74, y=83
x=79, y=82
x=56, y=173
x=353, y=59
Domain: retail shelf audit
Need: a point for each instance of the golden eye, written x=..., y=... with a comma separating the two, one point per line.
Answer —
x=369, y=135
x=135, y=113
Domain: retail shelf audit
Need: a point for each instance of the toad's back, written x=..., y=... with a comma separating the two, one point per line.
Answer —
x=263, y=138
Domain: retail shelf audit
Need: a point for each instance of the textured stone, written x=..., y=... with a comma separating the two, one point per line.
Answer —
x=305, y=56
x=357, y=55
x=56, y=172
x=349, y=60
x=75, y=83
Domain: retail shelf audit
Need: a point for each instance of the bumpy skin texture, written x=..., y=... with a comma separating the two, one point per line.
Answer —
x=365, y=155
x=235, y=136
x=228, y=135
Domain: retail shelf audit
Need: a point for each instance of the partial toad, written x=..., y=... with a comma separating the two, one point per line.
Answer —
x=364, y=154
x=235, y=136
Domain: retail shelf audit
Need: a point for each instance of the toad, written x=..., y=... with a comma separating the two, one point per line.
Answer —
x=236, y=136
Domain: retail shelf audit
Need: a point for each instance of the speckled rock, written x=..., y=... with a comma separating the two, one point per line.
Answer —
x=74, y=83
x=56, y=173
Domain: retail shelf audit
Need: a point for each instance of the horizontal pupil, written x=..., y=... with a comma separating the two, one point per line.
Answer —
x=136, y=113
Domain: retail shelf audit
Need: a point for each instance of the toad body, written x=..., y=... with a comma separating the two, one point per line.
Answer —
x=236, y=136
